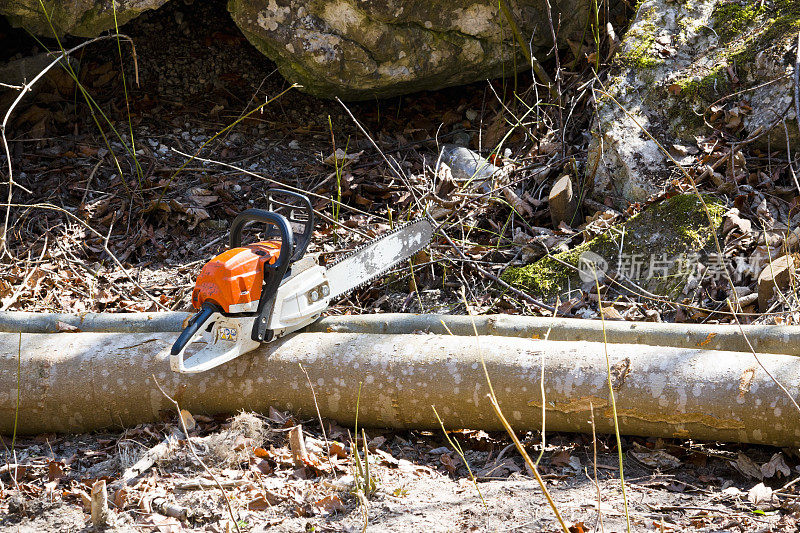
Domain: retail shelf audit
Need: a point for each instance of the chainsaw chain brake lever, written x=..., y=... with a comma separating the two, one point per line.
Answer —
x=298, y=211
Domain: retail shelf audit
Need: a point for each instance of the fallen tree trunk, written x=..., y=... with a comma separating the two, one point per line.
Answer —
x=75, y=382
x=27, y=322
x=763, y=339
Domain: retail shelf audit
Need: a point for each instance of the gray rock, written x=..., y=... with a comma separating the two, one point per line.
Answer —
x=776, y=275
x=469, y=166
x=563, y=203
x=356, y=49
x=376, y=48
x=83, y=18
x=21, y=71
x=676, y=60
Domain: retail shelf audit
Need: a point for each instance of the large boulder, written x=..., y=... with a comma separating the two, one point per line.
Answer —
x=361, y=49
x=677, y=64
x=83, y=18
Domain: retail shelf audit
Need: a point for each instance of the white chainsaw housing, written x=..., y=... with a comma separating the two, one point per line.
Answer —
x=218, y=340
x=299, y=301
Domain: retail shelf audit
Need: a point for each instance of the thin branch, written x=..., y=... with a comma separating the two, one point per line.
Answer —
x=26, y=88
x=113, y=257
x=197, y=457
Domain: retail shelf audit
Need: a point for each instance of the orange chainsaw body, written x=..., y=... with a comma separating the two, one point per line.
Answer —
x=233, y=280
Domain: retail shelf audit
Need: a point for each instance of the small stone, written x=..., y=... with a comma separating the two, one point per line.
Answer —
x=741, y=291
x=563, y=204
x=774, y=275
x=294, y=145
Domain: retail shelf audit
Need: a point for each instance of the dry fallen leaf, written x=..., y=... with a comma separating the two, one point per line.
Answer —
x=578, y=527
x=776, y=465
x=747, y=467
x=259, y=503
x=657, y=459
x=447, y=461
x=55, y=470
x=758, y=494
x=187, y=418
x=560, y=458
x=610, y=313
x=261, y=466
x=63, y=327
x=329, y=504
x=341, y=158
x=120, y=497
x=337, y=449
x=162, y=524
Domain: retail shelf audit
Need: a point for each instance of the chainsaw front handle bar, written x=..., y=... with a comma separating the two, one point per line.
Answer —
x=195, y=323
x=267, y=217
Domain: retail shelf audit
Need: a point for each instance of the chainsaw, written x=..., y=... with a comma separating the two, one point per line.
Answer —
x=256, y=293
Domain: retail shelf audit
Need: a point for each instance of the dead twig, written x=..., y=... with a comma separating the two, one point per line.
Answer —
x=291, y=188
x=594, y=464
x=527, y=297
x=150, y=457
x=26, y=88
x=319, y=417
x=537, y=67
x=520, y=448
x=104, y=238
x=197, y=457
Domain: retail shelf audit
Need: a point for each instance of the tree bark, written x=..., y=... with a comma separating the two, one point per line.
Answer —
x=76, y=382
x=764, y=339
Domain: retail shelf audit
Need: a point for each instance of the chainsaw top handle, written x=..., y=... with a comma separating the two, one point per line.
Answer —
x=293, y=207
x=277, y=270
x=267, y=217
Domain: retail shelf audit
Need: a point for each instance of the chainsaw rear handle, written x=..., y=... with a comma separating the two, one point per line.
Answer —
x=267, y=217
x=195, y=323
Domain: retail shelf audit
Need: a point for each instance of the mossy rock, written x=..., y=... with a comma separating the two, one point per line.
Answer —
x=675, y=61
x=659, y=242
x=83, y=18
x=363, y=49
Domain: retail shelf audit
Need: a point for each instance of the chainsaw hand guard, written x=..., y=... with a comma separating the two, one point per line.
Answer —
x=218, y=338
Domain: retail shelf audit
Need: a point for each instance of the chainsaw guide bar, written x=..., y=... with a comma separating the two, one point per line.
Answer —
x=377, y=257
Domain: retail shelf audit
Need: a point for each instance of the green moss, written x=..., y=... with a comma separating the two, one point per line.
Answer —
x=744, y=31
x=731, y=19
x=750, y=30
x=641, y=56
x=708, y=87
x=675, y=227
